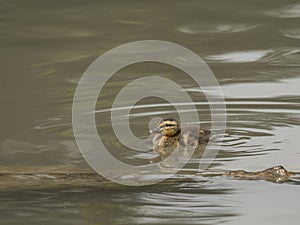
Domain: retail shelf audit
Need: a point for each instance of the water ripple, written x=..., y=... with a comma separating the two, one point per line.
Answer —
x=182, y=208
x=289, y=11
x=284, y=57
x=292, y=33
x=240, y=56
x=219, y=28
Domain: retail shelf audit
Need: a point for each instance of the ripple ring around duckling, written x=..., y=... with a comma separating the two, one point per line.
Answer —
x=97, y=75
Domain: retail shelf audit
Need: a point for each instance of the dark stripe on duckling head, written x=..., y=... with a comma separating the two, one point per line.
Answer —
x=168, y=123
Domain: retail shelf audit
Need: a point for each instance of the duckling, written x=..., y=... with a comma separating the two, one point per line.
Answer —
x=169, y=135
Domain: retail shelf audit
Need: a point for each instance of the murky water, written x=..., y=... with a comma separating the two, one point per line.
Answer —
x=253, y=48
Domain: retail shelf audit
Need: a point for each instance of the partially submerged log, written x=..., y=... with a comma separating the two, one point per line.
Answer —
x=276, y=174
x=53, y=178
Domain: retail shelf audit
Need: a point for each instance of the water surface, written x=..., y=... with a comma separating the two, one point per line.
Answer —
x=253, y=49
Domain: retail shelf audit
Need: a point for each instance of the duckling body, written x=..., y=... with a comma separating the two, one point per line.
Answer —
x=169, y=135
x=165, y=145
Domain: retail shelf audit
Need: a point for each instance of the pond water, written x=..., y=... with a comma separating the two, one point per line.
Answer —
x=253, y=48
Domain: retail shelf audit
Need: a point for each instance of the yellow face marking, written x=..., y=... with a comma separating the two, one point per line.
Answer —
x=169, y=131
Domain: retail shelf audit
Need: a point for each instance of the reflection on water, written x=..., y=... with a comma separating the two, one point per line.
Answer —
x=253, y=49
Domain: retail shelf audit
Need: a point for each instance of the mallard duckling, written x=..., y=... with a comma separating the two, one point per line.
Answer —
x=169, y=135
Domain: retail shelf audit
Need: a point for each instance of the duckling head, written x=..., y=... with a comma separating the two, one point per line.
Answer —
x=167, y=127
